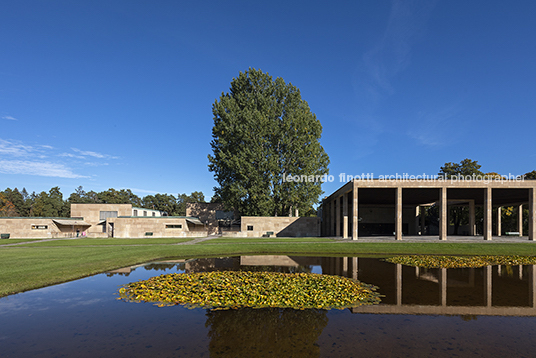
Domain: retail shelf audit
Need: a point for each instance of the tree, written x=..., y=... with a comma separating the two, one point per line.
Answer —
x=17, y=200
x=182, y=199
x=263, y=130
x=530, y=175
x=162, y=202
x=466, y=167
x=7, y=209
x=50, y=204
x=123, y=196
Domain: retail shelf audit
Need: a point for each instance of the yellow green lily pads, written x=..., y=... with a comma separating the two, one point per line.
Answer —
x=430, y=261
x=239, y=289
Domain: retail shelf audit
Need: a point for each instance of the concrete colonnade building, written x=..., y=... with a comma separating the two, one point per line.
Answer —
x=396, y=207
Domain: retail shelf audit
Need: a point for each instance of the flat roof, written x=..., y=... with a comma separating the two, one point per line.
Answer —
x=419, y=192
x=41, y=217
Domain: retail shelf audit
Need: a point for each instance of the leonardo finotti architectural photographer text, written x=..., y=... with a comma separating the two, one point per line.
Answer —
x=343, y=178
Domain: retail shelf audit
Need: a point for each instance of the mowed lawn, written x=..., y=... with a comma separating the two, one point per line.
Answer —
x=38, y=263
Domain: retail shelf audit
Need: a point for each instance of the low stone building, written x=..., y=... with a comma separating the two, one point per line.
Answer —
x=213, y=215
x=231, y=224
x=103, y=220
x=37, y=227
x=278, y=226
x=165, y=226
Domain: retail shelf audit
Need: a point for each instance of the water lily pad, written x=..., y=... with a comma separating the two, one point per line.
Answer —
x=238, y=289
x=430, y=261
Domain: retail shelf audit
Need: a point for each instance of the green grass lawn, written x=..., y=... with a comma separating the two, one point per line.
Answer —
x=25, y=267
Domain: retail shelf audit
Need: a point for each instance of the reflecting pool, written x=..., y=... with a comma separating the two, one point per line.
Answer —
x=489, y=311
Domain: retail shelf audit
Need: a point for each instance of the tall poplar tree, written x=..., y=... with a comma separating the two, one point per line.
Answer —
x=262, y=131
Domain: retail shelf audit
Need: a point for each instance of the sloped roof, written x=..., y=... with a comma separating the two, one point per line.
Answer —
x=194, y=221
x=67, y=222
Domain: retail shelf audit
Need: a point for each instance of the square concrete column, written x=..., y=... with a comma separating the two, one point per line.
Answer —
x=532, y=285
x=488, y=286
x=499, y=229
x=443, y=280
x=338, y=217
x=472, y=220
x=355, y=212
x=487, y=214
x=345, y=216
x=355, y=267
x=399, y=284
x=332, y=221
x=443, y=214
x=520, y=219
x=532, y=214
x=398, y=218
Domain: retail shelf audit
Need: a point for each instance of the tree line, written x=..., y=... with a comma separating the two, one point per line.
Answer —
x=15, y=203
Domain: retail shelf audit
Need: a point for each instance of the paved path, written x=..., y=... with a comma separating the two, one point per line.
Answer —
x=39, y=240
x=199, y=239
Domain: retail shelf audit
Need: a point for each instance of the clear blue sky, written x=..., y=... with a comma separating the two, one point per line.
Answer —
x=119, y=94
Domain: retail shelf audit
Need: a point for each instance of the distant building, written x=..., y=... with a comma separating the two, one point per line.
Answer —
x=104, y=220
x=231, y=224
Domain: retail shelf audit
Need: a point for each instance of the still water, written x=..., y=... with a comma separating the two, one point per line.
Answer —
x=489, y=312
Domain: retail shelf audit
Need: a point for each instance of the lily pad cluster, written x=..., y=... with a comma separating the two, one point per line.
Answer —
x=430, y=261
x=239, y=289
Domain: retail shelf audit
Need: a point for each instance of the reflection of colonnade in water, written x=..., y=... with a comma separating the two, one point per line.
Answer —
x=491, y=290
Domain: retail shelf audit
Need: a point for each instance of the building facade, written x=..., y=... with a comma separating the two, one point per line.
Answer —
x=104, y=220
x=396, y=207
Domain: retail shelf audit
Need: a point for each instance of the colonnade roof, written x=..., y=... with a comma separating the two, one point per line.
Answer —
x=382, y=192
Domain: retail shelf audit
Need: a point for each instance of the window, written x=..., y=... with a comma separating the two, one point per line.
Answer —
x=179, y=226
x=250, y=227
x=39, y=227
x=107, y=214
x=144, y=213
x=135, y=213
x=154, y=214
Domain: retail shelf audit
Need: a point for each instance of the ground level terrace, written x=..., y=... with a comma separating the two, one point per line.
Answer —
x=401, y=207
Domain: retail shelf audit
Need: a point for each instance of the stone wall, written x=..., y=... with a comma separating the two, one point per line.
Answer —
x=91, y=215
x=164, y=226
x=280, y=226
x=37, y=228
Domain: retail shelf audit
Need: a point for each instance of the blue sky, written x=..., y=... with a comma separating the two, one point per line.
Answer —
x=119, y=94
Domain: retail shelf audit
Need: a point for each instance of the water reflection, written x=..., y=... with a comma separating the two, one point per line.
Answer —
x=491, y=290
x=265, y=332
x=488, y=311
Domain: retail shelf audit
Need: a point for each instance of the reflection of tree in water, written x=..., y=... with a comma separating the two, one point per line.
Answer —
x=162, y=266
x=213, y=264
x=233, y=264
x=110, y=274
x=282, y=269
x=265, y=332
x=469, y=317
